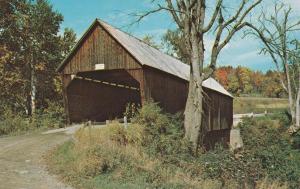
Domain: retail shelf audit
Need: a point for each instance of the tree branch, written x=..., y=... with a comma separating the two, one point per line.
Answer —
x=270, y=51
x=214, y=16
x=174, y=14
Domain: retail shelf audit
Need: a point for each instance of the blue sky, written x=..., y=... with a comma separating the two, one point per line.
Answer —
x=79, y=14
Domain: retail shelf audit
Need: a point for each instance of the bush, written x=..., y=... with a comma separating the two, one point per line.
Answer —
x=13, y=123
x=163, y=133
x=296, y=140
x=51, y=117
x=131, y=110
x=267, y=141
x=225, y=166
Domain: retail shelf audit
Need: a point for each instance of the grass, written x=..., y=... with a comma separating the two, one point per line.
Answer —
x=96, y=160
x=152, y=153
x=99, y=160
x=259, y=105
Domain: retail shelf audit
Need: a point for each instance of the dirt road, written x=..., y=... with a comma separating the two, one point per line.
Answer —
x=21, y=164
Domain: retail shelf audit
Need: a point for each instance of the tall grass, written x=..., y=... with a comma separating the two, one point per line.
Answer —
x=112, y=157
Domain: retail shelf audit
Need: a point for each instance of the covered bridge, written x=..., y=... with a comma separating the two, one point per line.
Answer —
x=107, y=69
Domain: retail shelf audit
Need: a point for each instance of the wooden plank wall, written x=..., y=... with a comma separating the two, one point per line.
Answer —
x=168, y=90
x=218, y=110
x=100, y=48
x=171, y=93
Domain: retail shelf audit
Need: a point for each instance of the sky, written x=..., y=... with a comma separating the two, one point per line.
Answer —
x=79, y=14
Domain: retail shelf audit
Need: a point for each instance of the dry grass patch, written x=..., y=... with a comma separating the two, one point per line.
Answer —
x=259, y=105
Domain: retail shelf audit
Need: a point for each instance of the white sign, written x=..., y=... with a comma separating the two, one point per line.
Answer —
x=99, y=66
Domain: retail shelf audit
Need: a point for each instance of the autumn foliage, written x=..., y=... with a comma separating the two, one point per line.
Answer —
x=244, y=81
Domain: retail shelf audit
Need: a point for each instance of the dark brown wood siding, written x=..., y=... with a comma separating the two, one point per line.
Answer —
x=171, y=94
x=217, y=110
x=99, y=48
x=168, y=90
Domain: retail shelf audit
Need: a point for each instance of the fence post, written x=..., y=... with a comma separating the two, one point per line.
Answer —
x=125, y=122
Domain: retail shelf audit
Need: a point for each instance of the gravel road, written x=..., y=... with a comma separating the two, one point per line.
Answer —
x=21, y=161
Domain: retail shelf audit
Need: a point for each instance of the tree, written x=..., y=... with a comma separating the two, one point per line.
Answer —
x=40, y=43
x=244, y=77
x=276, y=34
x=257, y=79
x=233, y=83
x=32, y=49
x=191, y=18
x=221, y=75
x=149, y=40
x=12, y=83
x=175, y=45
x=272, y=85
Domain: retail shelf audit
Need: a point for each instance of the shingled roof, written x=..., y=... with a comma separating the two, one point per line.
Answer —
x=147, y=55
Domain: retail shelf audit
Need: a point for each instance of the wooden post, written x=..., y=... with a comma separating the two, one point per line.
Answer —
x=125, y=122
x=143, y=90
x=65, y=96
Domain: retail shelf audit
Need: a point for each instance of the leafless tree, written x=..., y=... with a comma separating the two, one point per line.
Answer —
x=276, y=31
x=195, y=20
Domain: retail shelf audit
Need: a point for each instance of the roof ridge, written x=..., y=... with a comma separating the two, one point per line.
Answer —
x=140, y=40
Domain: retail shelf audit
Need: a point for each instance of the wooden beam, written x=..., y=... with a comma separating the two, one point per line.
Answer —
x=107, y=83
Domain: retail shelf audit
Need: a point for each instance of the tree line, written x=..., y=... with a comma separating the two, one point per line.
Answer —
x=244, y=81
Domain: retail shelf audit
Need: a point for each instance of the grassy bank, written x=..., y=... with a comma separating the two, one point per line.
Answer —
x=151, y=153
x=259, y=105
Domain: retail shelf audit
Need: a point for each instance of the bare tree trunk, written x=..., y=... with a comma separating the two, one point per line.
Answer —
x=193, y=115
x=290, y=93
x=33, y=90
x=297, y=116
x=193, y=110
x=188, y=118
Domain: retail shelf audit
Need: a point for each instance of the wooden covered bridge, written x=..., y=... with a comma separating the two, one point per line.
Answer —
x=109, y=68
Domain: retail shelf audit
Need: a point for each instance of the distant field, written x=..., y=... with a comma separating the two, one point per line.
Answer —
x=258, y=105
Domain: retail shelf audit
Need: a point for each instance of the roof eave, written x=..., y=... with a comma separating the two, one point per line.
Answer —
x=64, y=62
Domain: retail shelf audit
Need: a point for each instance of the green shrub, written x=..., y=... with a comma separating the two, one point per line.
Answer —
x=51, y=117
x=268, y=141
x=296, y=140
x=163, y=133
x=13, y=123
x=131, y=110
x=225, y=166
